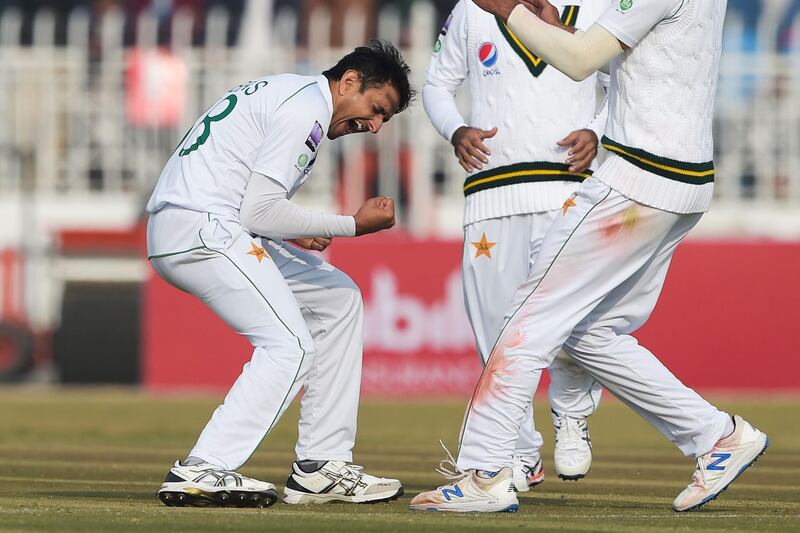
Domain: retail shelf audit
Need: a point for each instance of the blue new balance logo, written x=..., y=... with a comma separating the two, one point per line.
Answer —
x=720, y=457
x=446, y=492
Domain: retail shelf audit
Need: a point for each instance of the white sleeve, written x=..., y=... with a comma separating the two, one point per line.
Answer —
x=447, y=71
x=267, y=211
x=440, y=105
x=630, y=20
x=598, y=123
x=295, y=131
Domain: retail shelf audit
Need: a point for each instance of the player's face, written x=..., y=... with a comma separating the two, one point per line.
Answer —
x=361, y=112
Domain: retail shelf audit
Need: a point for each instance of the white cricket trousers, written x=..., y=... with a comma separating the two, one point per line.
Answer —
x=491, y=277
x=303, y=317
x=596, y=280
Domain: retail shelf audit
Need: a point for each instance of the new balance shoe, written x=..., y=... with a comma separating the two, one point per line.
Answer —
x=206, y=485
x=527, y=472
x=718, y=468
x=492, y=493
x=573, y=447
x=325, y=481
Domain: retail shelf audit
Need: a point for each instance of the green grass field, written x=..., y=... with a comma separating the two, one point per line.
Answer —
x=92, y=459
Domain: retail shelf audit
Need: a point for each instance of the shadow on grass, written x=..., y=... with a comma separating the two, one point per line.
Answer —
x=101, y=495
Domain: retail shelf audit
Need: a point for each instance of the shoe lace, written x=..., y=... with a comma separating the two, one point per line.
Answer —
x=351, y=471
x=569, y=433
x=448, y=467
x=698, y=479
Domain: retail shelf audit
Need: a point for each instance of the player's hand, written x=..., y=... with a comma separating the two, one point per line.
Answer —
x=544, y=10
x=501, y=8
x=375, y=215
x=582, y=149
x=318, y=244
x=469, y=148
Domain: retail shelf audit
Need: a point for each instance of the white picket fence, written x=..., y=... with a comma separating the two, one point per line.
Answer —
x=70, y=152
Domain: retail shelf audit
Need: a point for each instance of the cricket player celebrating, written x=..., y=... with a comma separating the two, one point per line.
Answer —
x=603, y=262
x=532, y=137
x=219, y=215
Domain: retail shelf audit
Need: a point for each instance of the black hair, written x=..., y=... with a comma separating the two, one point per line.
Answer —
x=377, y=64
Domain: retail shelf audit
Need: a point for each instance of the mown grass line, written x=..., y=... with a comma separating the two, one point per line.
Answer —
x=101, y=471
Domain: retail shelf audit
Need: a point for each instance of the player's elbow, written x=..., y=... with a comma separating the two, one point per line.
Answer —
x=579, y=70
x=579, y=74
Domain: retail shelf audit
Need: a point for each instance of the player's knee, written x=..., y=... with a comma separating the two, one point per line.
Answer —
x=593, y=341
x=348, y=296
x=354, y=303
x=288, y=343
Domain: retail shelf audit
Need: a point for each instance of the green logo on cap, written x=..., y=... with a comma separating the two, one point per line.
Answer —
x=625, y=5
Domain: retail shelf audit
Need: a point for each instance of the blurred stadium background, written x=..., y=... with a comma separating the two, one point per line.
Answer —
x=95, y=95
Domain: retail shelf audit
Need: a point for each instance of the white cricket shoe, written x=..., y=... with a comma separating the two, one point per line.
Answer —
x=339, y=481
x=573, y=447
x=722, y=465
x=472, y=493
x=207, y=485
x=527, y=472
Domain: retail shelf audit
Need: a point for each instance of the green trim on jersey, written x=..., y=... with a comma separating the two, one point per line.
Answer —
x=296, y=93
x=533, y=172
x=534, y=63
x=693, y=173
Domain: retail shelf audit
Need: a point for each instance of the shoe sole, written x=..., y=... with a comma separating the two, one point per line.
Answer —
x=192, y=497
x=513, y=508
x=293, y=497
x=714, y=496
x=575, y=477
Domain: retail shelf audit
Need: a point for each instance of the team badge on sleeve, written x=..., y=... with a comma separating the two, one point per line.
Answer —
x=439, y=42
x=315, y=137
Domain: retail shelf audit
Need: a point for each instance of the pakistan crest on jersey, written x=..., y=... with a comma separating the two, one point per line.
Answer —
x=625, y=5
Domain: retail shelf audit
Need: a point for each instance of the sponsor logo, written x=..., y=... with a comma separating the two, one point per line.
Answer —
x=448, y=493
x=625, y=5
x=487, y=55
x=717, y=464
x=315, y=137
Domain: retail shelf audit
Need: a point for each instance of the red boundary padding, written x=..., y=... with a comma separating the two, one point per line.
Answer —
x=724, y=321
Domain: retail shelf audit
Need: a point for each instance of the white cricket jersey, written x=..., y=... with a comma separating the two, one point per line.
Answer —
x=273, y=126
x=661, y=102
x=533, y=105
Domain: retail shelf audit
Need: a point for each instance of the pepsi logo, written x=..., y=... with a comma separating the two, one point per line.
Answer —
x=487, y=54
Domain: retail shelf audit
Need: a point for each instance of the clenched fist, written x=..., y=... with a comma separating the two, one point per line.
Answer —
x=375, y=215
